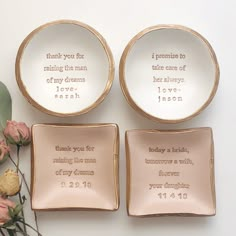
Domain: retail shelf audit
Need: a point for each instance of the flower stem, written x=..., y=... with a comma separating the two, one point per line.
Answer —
x=18, y=158
x=19, y=227
x=20, y=197
x=36, y=223
x=28, y=190
x=30, y=227
x=22, y=212
x=22, y=175
x=11, y=232
x=21, y=230
x=2, y=233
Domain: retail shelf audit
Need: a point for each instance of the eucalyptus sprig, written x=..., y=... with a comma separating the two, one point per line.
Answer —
x=5, y=106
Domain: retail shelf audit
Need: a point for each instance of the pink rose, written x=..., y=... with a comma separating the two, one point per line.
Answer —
x=4, y=213
x=4, y=150
x=17, y=133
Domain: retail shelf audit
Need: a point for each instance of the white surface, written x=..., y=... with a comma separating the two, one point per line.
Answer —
x=50, y=88
x=170, y=100
x=118, y=22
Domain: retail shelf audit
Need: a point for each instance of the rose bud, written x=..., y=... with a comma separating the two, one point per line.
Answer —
x=4, y=212
x=9, y=183
x=4, y=151
x=17, y=133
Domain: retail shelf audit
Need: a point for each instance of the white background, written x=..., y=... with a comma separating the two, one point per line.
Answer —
x=118, y=21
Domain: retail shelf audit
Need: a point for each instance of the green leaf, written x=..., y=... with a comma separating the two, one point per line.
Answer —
x=12, y=227
x=5, y=106
x=18, y=209
x=11, y=232
x=11, y=212
x=8, y=224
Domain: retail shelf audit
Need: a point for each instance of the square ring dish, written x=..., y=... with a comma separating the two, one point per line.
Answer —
x=169, y=73
x=75, y=167
x=170, y=173
x=64, y=68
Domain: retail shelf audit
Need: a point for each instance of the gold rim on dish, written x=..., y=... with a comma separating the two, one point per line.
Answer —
x=23, y=87
x=122, y=75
